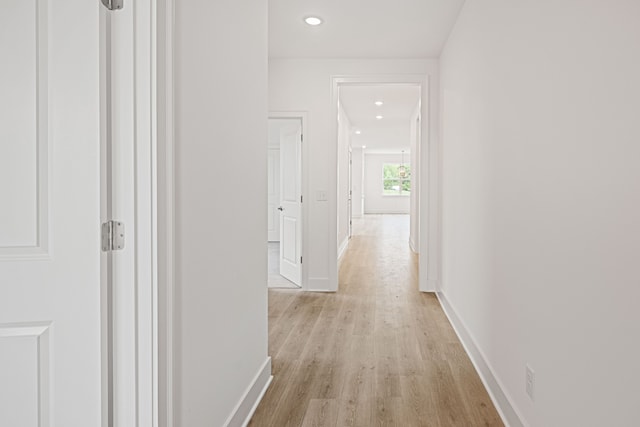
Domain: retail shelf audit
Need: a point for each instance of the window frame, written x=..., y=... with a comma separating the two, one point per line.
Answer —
x=401, y=192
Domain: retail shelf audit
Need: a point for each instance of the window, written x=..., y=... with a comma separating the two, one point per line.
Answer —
x=393, y=183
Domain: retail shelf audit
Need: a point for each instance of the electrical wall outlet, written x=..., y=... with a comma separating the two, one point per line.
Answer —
x=530, y=382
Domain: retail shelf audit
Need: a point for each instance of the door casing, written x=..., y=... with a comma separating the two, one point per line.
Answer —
x=128, y=177
x=429, y=172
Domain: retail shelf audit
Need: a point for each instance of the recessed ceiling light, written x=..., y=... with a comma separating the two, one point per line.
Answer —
x=378, y=103
x=364, y=146
x=313, y=20
x=358, y=132
x=379, y=117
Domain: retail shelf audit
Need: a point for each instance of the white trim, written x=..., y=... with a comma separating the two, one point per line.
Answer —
x=129, y=43
x=258, y=400
x=165, y=211
x=343, y=248
x=304, y=117
x=431, y=286
x=40, y=249
x=155, y=413
x=39, y=331
x=105, y=176
x=318, y=284
x=412, y=245
x=134, y=372
x=500, y=398
x=251, y=398
x=385, y=211
x=428, y=171
x=145, y=213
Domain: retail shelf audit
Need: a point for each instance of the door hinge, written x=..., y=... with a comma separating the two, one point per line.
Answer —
x=301, y=137
x=300, y=260
x=112, y=236
x=300, y=199
x=113, y=4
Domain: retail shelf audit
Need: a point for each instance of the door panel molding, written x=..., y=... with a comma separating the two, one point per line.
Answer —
x=24, y=229
x=273, y=194
x=40, y=351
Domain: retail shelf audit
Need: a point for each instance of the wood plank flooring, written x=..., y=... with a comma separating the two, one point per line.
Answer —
x=376, y=353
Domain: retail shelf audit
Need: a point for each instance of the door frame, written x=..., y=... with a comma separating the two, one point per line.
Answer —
x=166, y=215
x=350, y=199
x=134, y=395
x=303, y=117
x=429, y=175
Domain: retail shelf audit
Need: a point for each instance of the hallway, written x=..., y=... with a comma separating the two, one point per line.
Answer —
x=376, y=353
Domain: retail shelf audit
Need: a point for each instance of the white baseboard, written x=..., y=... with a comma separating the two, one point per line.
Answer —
x=249, y=403
x=412, y=245
x=501, y=401
x=429, y=285
x=342, y=249
x=318, y=284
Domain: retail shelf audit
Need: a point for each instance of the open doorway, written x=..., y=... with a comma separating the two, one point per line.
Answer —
x=284, y=205
x=425, y=159
x=378, y=134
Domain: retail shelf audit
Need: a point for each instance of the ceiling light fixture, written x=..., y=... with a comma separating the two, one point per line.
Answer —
x=313, y=20
x=379, y=117
x=358, y=132
x=379, y=103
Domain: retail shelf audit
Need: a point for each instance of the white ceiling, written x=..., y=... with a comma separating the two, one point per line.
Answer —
x=399, y=102
x=361, y=28
x=392, y=133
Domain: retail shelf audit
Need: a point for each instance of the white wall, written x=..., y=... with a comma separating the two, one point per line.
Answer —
x=374, y=201
x=305, y=85
x=541, y=190
x=344, y=141
x=220, y=251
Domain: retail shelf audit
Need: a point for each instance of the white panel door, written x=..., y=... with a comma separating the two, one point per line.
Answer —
x=50, y=336
x=290, y=203
x=273, y=192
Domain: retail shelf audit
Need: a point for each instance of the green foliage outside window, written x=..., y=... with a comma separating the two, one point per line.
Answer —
x=392, y=183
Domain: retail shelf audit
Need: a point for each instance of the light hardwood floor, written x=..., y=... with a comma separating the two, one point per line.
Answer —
x=376, y=353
